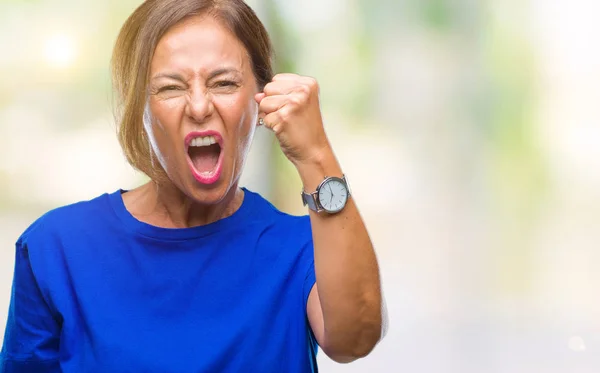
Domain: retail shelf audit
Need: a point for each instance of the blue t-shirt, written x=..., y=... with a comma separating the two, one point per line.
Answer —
x=96, y=290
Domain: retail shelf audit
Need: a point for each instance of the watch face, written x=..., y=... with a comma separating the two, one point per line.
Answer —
x=333, y=195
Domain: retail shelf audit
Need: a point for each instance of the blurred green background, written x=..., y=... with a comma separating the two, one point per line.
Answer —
x=469, y=130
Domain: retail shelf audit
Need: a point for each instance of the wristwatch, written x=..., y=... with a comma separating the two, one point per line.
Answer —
x=331, y=195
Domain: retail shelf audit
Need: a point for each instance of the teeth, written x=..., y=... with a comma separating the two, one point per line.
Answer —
x=203, y=141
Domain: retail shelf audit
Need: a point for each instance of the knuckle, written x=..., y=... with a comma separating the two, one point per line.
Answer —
x=305, y=90
x=298, y=99
x=312, y=83
x=284, y=113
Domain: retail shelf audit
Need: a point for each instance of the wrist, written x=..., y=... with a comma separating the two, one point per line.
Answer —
x=314, y=170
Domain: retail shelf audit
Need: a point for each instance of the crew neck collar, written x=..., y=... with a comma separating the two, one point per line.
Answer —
x=177, y=234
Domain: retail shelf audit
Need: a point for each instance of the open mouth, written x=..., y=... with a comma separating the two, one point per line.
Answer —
x=204, y=154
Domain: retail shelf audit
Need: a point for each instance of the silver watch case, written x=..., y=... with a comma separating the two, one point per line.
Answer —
x=312, y=199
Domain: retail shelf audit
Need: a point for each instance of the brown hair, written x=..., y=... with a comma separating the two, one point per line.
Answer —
x=133, y=54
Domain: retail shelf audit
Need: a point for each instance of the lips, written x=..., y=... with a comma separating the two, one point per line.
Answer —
x=205, y=156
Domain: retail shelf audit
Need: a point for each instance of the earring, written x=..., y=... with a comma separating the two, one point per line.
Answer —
x=261, y=122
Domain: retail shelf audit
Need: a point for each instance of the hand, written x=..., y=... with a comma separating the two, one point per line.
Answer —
x=289, y=106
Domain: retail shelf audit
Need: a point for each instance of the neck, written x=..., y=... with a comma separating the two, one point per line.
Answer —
x=166, y=206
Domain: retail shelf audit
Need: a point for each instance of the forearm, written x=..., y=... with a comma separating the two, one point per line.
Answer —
x=346, y=269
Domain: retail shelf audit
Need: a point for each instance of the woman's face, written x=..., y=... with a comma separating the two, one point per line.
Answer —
x=201, y=112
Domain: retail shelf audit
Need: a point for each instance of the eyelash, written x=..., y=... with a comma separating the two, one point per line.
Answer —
x=225, y=83
x=221, y=84
x=169, y=88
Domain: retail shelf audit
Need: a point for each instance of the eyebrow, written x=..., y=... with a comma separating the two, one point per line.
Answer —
x=212, y=75
x=221, y=71
x=170, y=76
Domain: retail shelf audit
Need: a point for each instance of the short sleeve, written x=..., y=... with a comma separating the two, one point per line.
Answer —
x=31, y=338
x=309, y=280
x=308, y=257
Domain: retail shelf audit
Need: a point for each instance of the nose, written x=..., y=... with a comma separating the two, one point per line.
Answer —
x=199, y=106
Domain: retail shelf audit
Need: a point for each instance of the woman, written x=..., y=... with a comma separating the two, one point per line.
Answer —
x=189, y=272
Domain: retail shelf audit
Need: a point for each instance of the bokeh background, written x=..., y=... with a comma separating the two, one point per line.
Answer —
x=469, y=129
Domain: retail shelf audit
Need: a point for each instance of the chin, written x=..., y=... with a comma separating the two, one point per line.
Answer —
x=211, y=196
x=214, y=192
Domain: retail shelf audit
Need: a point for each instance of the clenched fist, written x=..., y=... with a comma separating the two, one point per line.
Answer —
x=289, y=106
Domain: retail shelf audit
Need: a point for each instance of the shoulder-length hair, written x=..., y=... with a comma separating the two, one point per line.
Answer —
x=134, y=49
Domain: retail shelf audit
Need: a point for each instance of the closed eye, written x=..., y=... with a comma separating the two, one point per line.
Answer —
x=169, y=88
x=225, y=83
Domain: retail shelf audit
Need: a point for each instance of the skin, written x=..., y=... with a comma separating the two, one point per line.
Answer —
x=344, y=307
x=185, y=95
